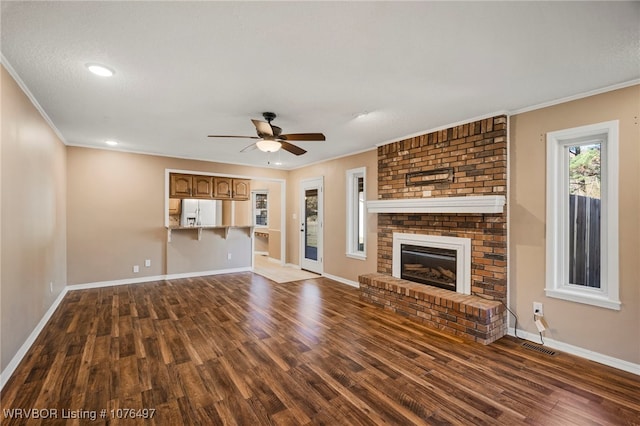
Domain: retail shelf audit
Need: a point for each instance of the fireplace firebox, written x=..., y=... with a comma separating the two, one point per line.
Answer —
x=428, y=265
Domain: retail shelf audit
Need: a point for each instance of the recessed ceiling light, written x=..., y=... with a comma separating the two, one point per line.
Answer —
x=100, y=70
x=111, y=143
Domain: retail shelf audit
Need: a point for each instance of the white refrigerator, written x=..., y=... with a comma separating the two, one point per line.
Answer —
x=201, y=212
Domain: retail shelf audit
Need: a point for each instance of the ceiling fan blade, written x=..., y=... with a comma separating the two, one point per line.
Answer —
x=249, y=147
x=228, y=136
x=263, y=127
x=303, y=137
x=296, y=150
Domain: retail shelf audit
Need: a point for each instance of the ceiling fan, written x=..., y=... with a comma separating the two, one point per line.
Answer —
x=271, y=139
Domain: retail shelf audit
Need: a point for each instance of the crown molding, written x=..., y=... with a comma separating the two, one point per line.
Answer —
x=34, y=101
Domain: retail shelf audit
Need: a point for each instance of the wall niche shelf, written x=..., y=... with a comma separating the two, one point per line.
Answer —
x=199, y=229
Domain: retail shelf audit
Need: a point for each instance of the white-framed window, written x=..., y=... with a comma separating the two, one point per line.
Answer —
x=356, y=213
x=582, y=215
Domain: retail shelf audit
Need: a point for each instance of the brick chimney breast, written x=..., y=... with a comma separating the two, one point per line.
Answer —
x=477, y=153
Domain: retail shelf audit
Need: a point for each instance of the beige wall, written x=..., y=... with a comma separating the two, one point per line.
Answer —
x=116, y=205
x=609, y=332
x=242, y=213
x=33, y=236
x=335, y=214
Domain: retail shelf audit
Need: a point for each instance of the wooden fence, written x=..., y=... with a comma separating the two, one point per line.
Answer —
x=584, y=241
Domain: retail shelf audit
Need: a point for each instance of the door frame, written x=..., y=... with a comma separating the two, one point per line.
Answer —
x=316, y=266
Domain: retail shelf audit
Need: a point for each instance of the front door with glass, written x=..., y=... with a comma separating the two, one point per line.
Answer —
x=311, y=225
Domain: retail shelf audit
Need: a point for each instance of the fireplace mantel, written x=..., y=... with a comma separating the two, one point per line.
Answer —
x=470, y=204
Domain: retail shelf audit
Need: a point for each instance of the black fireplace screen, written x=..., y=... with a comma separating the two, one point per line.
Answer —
x=428, y=265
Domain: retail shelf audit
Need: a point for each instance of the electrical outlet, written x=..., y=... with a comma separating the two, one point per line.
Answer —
x=147, y=263
x=229, y=256
x=136, y=269
x=537, y=309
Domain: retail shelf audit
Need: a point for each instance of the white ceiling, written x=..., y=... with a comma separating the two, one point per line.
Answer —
x=188, y=69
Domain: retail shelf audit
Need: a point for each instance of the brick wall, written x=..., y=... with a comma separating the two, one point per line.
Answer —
x=477, y=152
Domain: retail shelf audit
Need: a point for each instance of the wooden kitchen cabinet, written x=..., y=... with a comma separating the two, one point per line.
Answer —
x=241, y=189
x=199, y=186
x=190, y=186
x=180, y=186
x=202, y=186
x=175, y=205
x=222, y=188
x=232, y=189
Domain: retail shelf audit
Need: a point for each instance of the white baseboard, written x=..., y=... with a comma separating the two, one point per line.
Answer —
x=13, y=364
x=99, y=284
x=205, y=273
x=274, y=260
x=342, y=280
x=261, y=253
x=620, y=364
x=112, y=283
x=291, y=265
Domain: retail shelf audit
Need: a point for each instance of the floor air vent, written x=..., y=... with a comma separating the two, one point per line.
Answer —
x=539, y=348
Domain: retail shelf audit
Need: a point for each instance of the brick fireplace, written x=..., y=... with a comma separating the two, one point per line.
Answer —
x=449, y=169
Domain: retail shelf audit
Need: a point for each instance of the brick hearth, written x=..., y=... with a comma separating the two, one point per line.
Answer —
x=467, y=316
x=477, y=153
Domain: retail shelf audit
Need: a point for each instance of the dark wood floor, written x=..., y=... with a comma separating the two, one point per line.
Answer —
x=240, y=349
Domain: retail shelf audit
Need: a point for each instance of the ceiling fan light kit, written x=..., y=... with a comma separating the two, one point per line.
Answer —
x=268, y=145
x=271, y=139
